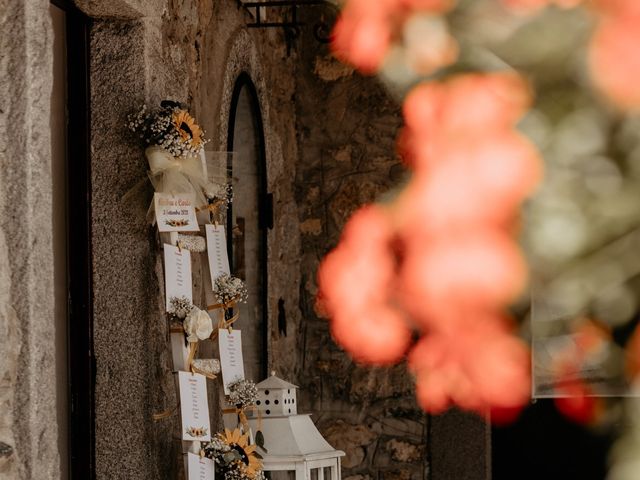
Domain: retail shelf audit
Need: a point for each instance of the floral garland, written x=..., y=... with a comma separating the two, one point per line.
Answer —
x=235, y=459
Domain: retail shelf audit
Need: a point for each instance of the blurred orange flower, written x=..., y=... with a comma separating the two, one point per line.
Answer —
x=614, y=59
x=530, y=6
x=364, y=32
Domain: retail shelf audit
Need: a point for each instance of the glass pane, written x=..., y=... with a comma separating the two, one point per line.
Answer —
x=281, y=475
x=573, y=353
x=247, y=258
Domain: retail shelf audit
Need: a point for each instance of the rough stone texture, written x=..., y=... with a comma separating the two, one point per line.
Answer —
x=405, y=451
x=27, y=370
x=347, y=125
x=129, y=327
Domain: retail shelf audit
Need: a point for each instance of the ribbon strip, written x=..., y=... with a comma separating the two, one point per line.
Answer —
x=209, y=375
x=242, y=417
x=214, y=207
x=222, y=324
x=225, y=306
x=166, y=414
x=193, y=349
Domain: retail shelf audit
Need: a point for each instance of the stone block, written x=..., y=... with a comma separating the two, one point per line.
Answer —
x=380, y=383
x=397, y=474
x=402, y=427
x=330, y=70
x=350, y=439
x=311, y=226
x=405, y=452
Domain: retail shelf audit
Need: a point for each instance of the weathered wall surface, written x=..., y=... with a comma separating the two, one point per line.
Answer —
x=28, y=427
x=190, y=51
x=347, y=125
x=141, y=51
x=129, y=331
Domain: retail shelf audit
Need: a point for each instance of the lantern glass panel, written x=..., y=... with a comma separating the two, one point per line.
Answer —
x=291, y=475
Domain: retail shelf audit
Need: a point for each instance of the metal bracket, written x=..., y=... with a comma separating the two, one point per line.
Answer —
x=292, y=25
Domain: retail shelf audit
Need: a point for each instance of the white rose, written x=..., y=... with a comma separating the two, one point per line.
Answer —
x=198, y=325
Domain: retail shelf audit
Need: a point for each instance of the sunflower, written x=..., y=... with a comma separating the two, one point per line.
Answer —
x=240, y=443
x=187, y=128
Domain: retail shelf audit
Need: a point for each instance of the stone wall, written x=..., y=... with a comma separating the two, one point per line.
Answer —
x=190, y=51
x=141, y=51
x=28, y=424
x=347, y=126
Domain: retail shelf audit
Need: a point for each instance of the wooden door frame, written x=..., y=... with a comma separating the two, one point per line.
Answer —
x=80, y=353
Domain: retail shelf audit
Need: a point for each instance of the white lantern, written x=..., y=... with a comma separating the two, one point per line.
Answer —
x=276, y=397
x=292, y=441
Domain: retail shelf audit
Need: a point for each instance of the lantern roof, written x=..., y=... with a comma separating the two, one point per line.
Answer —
x=275, y=382
x=294, y=437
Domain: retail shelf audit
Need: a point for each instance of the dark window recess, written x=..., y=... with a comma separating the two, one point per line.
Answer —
x=282, y=318
x=266, y=211
x=238, y=235
x=542, y=443
x=244, y=237
x=81, y=358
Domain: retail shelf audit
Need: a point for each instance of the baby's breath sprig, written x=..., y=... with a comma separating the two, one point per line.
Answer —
x=180, y=307
x=229, y=288
x=243, y=393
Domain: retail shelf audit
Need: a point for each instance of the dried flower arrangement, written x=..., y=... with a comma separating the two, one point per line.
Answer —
x=171, y=127
x=235, y=459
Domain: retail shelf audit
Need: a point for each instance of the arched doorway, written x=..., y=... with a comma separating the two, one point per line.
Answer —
x=249, y=217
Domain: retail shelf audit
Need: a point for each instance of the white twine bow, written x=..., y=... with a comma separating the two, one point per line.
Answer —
x=169, y=174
